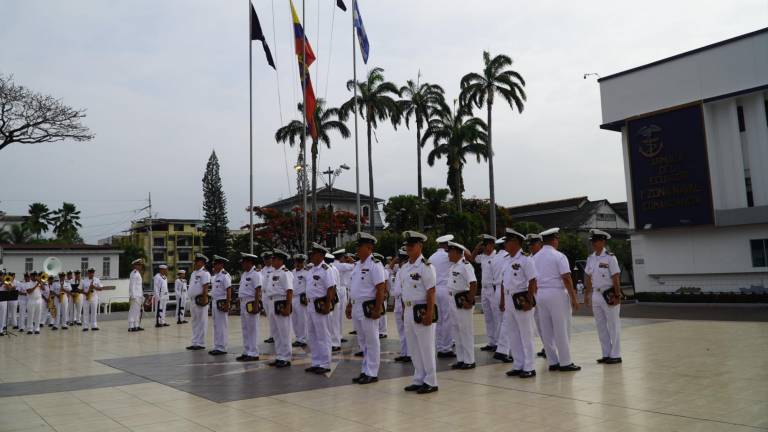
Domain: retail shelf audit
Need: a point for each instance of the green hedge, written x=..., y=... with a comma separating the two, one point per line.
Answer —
x=713, y=297
x=120, y=306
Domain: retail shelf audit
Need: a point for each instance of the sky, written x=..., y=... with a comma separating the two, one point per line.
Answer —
x=165, y=82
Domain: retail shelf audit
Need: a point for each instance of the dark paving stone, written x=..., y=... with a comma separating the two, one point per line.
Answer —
x=27, y=388
x=691, y=311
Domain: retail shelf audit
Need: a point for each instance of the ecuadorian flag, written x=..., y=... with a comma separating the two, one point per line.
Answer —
x=306, y=57
x=301, y=38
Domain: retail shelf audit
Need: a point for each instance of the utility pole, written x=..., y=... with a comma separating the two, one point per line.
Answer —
x=151, y=240
x=331, y=238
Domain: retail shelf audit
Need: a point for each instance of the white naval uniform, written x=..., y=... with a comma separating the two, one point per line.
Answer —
x=518, y=324
x=277, y=289
x=23, y=303
x=12, y=321
x=299, y=313
x=180, y=289
x=78, y=300
x=365, y=276
x=221, y=282
x=396, y=290
x=197, y=283
x=3, y=308
x=62, y=303
x=35, y=306
x=319, y=279
x=160, y=286
x=488, y=297
x=415, y=280
x=250, y=282
x=266, y=276
x=135, y=299
x=500, y=262
x=460, y=275
x=600, y=269
x=343, y=276
x=554, y=305
x=443, y=333
x=91, y=308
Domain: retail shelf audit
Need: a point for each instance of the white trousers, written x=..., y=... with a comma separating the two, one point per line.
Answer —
x=555, y=319
x=421, y=344
x=338, y=317
x=22, y=323
x=299, y=320
x=608, y=325
x=464, y=334
x=383, y=323
x=91, y=312
x=444, y=327
x=34, y=314
x=162, y=302
x=401, y=326
x=491, y=314
x=62, y=311
x=77, y=308
x=280, y=327
x=319, y=336
x=3, y=314
x=518, y=325
x=368, y=336
x=11, y=319
x=181, y=306
x=220, y=327
x=134, y=312
x=249, y=324
x=199, y=324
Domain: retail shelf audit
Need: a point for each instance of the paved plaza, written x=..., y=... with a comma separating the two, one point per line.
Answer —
x=706, y=374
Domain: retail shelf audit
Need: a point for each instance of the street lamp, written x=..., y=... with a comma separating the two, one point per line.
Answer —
x=332, y=174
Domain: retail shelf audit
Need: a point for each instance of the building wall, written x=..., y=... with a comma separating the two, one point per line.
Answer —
x=165, y=248
x=15, y=261
x=605, y=218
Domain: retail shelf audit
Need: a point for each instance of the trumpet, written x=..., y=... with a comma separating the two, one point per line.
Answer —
x=7, y=280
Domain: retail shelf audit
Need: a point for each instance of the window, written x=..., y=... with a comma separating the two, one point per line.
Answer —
x=178, y=227
x=740, y=115
x=605, y=217
x=105, y=267
x=759, y=252
x=158, y=257
x=29, y=265
x=365, y=211
x=84, y=265
x=183, y=255
x=159, y=241
x=183, y=242
x=750, y=197
x=766, y=111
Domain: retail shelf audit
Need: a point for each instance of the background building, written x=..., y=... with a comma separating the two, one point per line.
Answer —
x=694, y=134
x=7, y=221
x=578, y=215
x=174, y=242
x=24, y=258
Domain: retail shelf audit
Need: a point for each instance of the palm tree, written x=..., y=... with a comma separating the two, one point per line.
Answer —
x=66, y=221
x=420, y=101
x=326, y=120
x=375, y=102
x=17, y=234
x=39, y=220
x=456, y=136
x=480, y=89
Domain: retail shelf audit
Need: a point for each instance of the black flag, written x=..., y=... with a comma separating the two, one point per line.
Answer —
x=341, y=5
x=257, y=34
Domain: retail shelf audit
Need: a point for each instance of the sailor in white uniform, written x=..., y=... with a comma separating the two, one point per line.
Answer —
x=341, y=265
x=462, y=286
x=221, y=293
x=250, y=297
x=23, y=301
x=280, y=299
x=484, y=254
x=266, y=276
x=160, y=285
x=299, y=313
x=180, y=289
x=135, y=298
x=443, y=334
x=321, y=293
x=91, y=287
x=602, y=277
x=500, y=262
x=199, y=284
x=396, y=291
x=78, y=299
x=534, y=242
x=61, y=289
x=35, y=306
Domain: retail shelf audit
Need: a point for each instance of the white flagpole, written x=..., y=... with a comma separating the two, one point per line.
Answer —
x=250, y=119
x=304, y=72
x=354, y=78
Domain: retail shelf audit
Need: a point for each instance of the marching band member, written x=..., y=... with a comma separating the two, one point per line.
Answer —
x=12, y=320
x=462, y=287
x=603, y=282
x=396, y=290
x=222, y=298
x=160, y=285
x=280, y=300
x=180, y=289
x=91, y=287
x=299, y=313
x=250, y=299
x=23, y=302
x=199, y=283
x=321, y=294
x=78, y=299
x=61, y=289
x=4, y=287
x=484, y=255
x=417, y=279
x=34, y=304
x=135, y=297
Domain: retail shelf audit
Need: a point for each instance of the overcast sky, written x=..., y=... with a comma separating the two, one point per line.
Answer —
x=166, y=81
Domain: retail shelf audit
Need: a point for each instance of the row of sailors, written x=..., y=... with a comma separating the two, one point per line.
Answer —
x=60, y=301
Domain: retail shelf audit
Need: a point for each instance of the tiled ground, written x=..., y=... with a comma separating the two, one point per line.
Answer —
x=677, y=376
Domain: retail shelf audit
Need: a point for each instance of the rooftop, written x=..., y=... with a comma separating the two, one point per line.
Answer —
x=56, y=247
x=323, y=196
x=569, y=213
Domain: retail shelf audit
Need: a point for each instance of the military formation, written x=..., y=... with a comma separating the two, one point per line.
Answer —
x=525, y=288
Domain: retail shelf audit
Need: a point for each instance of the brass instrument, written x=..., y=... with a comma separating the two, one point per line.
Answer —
x=89, y=295
x=51, y=304
x=8, y=280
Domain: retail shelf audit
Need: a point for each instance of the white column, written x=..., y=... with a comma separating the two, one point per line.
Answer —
x=756, y=140
x=726, y=167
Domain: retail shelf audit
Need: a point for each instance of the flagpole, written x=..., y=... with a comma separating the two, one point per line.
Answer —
x=250, y=120
x=354, y=78
x=304, y=73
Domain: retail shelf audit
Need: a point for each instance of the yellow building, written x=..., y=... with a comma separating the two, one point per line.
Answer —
x=174, y=242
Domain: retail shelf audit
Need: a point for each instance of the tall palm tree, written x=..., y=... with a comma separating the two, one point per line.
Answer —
x=456, y=136
x=480, y=89
x=420, y=101
x=66, y=221
x=326, y=121
x=39, y=220
x=376, y=101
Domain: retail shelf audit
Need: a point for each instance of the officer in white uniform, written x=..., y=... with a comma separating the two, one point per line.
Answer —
x=135, y=297
x=222, y=298
x=23, y=301
x=500, y=262
x=266, y=275
x=160, y=285
x=35, y=304
x=519, y=282
x=462, y=282
x=417, y=279
x=343, y=272
x=91, y=287
x=299, y=313
x=180, y=289
x=60, y=289
x=321, y=292
x=602, y=274
x=199, y=284
x=78, y=299
x=383, y=318
x=555, y=299
x=396, y=291
x=12, y=320
x=249, y=293
x=484, y=254
x=280, y=292
x=367, y=287
x=443, y=334
x=4, y=287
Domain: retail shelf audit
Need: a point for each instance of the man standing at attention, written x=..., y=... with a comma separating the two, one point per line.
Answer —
x=199, y=283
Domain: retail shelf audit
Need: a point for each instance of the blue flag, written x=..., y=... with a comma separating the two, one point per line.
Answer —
x=362, y=38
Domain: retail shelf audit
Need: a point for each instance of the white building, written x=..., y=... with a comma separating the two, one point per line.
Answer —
x=694, y=131
x=25, y=258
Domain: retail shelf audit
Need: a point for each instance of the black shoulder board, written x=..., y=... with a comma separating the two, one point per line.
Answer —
x=610, y=253
x=424, y=260
x=324, y=266
x=526, y=254
x=376, y=260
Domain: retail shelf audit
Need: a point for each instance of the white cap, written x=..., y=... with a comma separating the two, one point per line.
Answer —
x=456, y=246
x=329, y=256
x=162, y=267
x=445, y=239
x=550, y=232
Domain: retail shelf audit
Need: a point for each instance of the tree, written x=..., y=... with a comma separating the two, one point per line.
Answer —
x=326, y=120
x=436, y=206
x=15, y=234
x=283, y=229
x=421, y=101
x=215, y=219
x=524, y=227
x=403, y=212
x=131, y=252
x=574, y=247
x=27, y=117
x=39, y=220
x=456, y=136
x=482, y=208
x=480, y=89
x=66, y=221
x=375, y=102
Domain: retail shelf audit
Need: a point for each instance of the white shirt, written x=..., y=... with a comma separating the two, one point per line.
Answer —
x=280, y=283
x=319, y=279
x=300, y=281
x=520, y=271
x=551, y=265
x=486, y=265
x=364, y=277
x=37, y=293
x=135, y=289
x=499, y=263
x=601, y=269
x=58, y=286
x=460, y=275
x=197, y=282
x=91, y=284
x=160, y=286
x=345, y=272
x=179, y=287
x=336, y=277
x=415, y=279
x=394, y=289
x=249, y=282
x=221, y=281
x=266, y=274
x=441, y=265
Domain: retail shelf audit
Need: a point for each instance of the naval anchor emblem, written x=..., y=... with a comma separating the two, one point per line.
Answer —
x=651, y=143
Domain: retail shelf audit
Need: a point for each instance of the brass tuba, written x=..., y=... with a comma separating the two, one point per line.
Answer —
x=7, y=280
